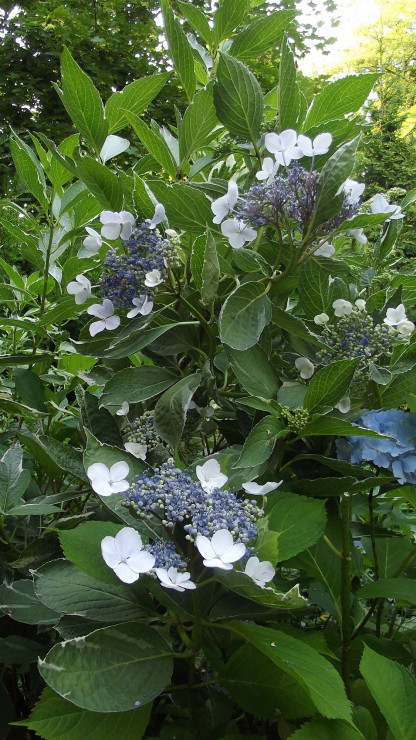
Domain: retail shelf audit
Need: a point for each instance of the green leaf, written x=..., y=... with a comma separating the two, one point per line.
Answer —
x=197, y=19
x=334, y=173
x=210, y=271
x=170, y=410
x=401, y=589
x=394, y=690
x=61, y=586
x=30, y=388
x=330, y=384
x=299, y=522
x=328, y=425
x=314, y=673
x=53, y=718
x=13, y=479
x=397, y=392
x=245, y=587
x=64, y=455
x=136, y=384
x=316, y=293
x=134, y=98
x=114, y=669
x=227, y=17
x=339, y=98
x=248, y=260
x=102, y=183
x=197, y=123
x=244, y=315
x=197, y=260
x=254, y=371
x=82, y=547
x=19, y=601
x=294, y=326
x=238, y=98
x=144, y=205
x=261, y=35
x=260, y=442
x=290, y=98
x=186, y=207
x=387, y=242
x=155, y=144
x=29, y=170
x=326, y=729
x=180, y=51
x=18, y=649
x=83, y=103
x=392, y=552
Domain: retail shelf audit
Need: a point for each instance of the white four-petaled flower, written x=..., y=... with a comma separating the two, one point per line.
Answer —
x=152, y=279
x=353, y=190
x=224, y=205
x=124, y=553
x=158, y=216
x=104, y=312
x=254, y=489
x=238, y=233
x=342, y=307
x=360, y=303
x=321, y=319
x=283, y=146
x=381, y=205
x=170, y=578
x=261, y=572
x=117, y=224
x=80, y=288
x=319, y=145
x=325, y=250
x=396, y=317
x=143, y=306
x=136, y=449
x=305, y=367
x=210, y=476
x=93, y=242
x=268, y=170
x=220, y=551
x=106, y=481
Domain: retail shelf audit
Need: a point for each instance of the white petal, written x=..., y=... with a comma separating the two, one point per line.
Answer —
x=136, y=449
x=96, y=310
x=344, y=405
x=102, y=487
x=288, y=138
x=342, y=307
x=96, y=327
x=112, y=146
x=110, y=217
x=236, y=553
x=360, y=303
x=305, y=367
x=321, y=143
x=110, y=555
x=254, y=489
x=119, y=486
x=112, y=323
x=127, y=541
x=119, y=471
x=153, y=278
x=321, y=319
x=305, y=144
x=124, y=410
x=111, y=231
x=98, y=470
x=158, y=216
x=217, y=563
x=125, y=574
x=405, y=328
x=141, y=562
x=92, y=244
x=222, y=541
x=203, y=545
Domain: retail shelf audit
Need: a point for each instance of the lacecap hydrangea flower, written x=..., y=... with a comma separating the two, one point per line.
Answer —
x=397, y=454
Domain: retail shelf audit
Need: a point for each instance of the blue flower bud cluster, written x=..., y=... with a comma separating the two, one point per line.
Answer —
x=166, y=555
x=142, y=431
x=124, y=275
x=398, y=454
x=355, y=335
x=175, y=498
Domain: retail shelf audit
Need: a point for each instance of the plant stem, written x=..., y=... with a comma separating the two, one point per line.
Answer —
x=345, y=589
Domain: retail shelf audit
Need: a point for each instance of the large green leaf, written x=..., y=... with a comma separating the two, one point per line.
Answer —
x=136, y=384
x=154, y=143
x=394, y=690
x=244, y=586
x=170, y=410
x=210, y=273
x=29, y=170
x=391, y=552
x=259, y=36
x=329, y=425
x=19, y=601
x=102, y=183
x=227, y=17
x=326, y=729
x=334, y=173
x=260, y=442
x=82, y=101
x=254, y=371
x=53, y=718
x=238, y=98
x=330, y=384
x=180, y=50
x=294, y=326
x=244, y=315
x=338, y=98
x=401, y=589
x=197, y=19
x=114, y=669
x=13, y=479
x=291, y=100
x=293, y=524
x=82, y=547
x=316, y=292
x=397, y=392
x=198, y=121
x=186, y=207
x=61, y=586
x=134, y=98
x=314, y=673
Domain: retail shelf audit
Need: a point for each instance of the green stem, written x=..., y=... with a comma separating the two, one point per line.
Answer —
x=346, y=624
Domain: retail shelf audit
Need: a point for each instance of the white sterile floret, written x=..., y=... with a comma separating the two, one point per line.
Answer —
x=405, y=328
x=381, y=205
x=158, y=216
x=136, y=449
x=104, y=312
x=396, y=317
x=268, y=170
x=238, y=233
x=220, y=551
x=305, y=367
x=224, y=205
x=172, y=579
x=254, y=489
x=342, y=307
x=283, y=146
x=320, y=144
x=321, y=319
x=344, y=405
x=124, y=410
x=261, y=572
x=143, y=306
x=106, y=481
x=353, y=190
x=93, y=242
x=360, y=303
x=124, y=553
x=325, y=250
x=153, y=278
x=80, y=288
x=117, y=224
x=210, y=476
x=358, y=235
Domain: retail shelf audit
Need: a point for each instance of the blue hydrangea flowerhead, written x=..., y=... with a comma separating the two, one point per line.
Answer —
x=398, y=454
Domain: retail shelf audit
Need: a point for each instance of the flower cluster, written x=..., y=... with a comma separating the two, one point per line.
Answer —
x=176, y=498
x=138, y=271
x=141, y=431
x=397, y=453
x=354, y=335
